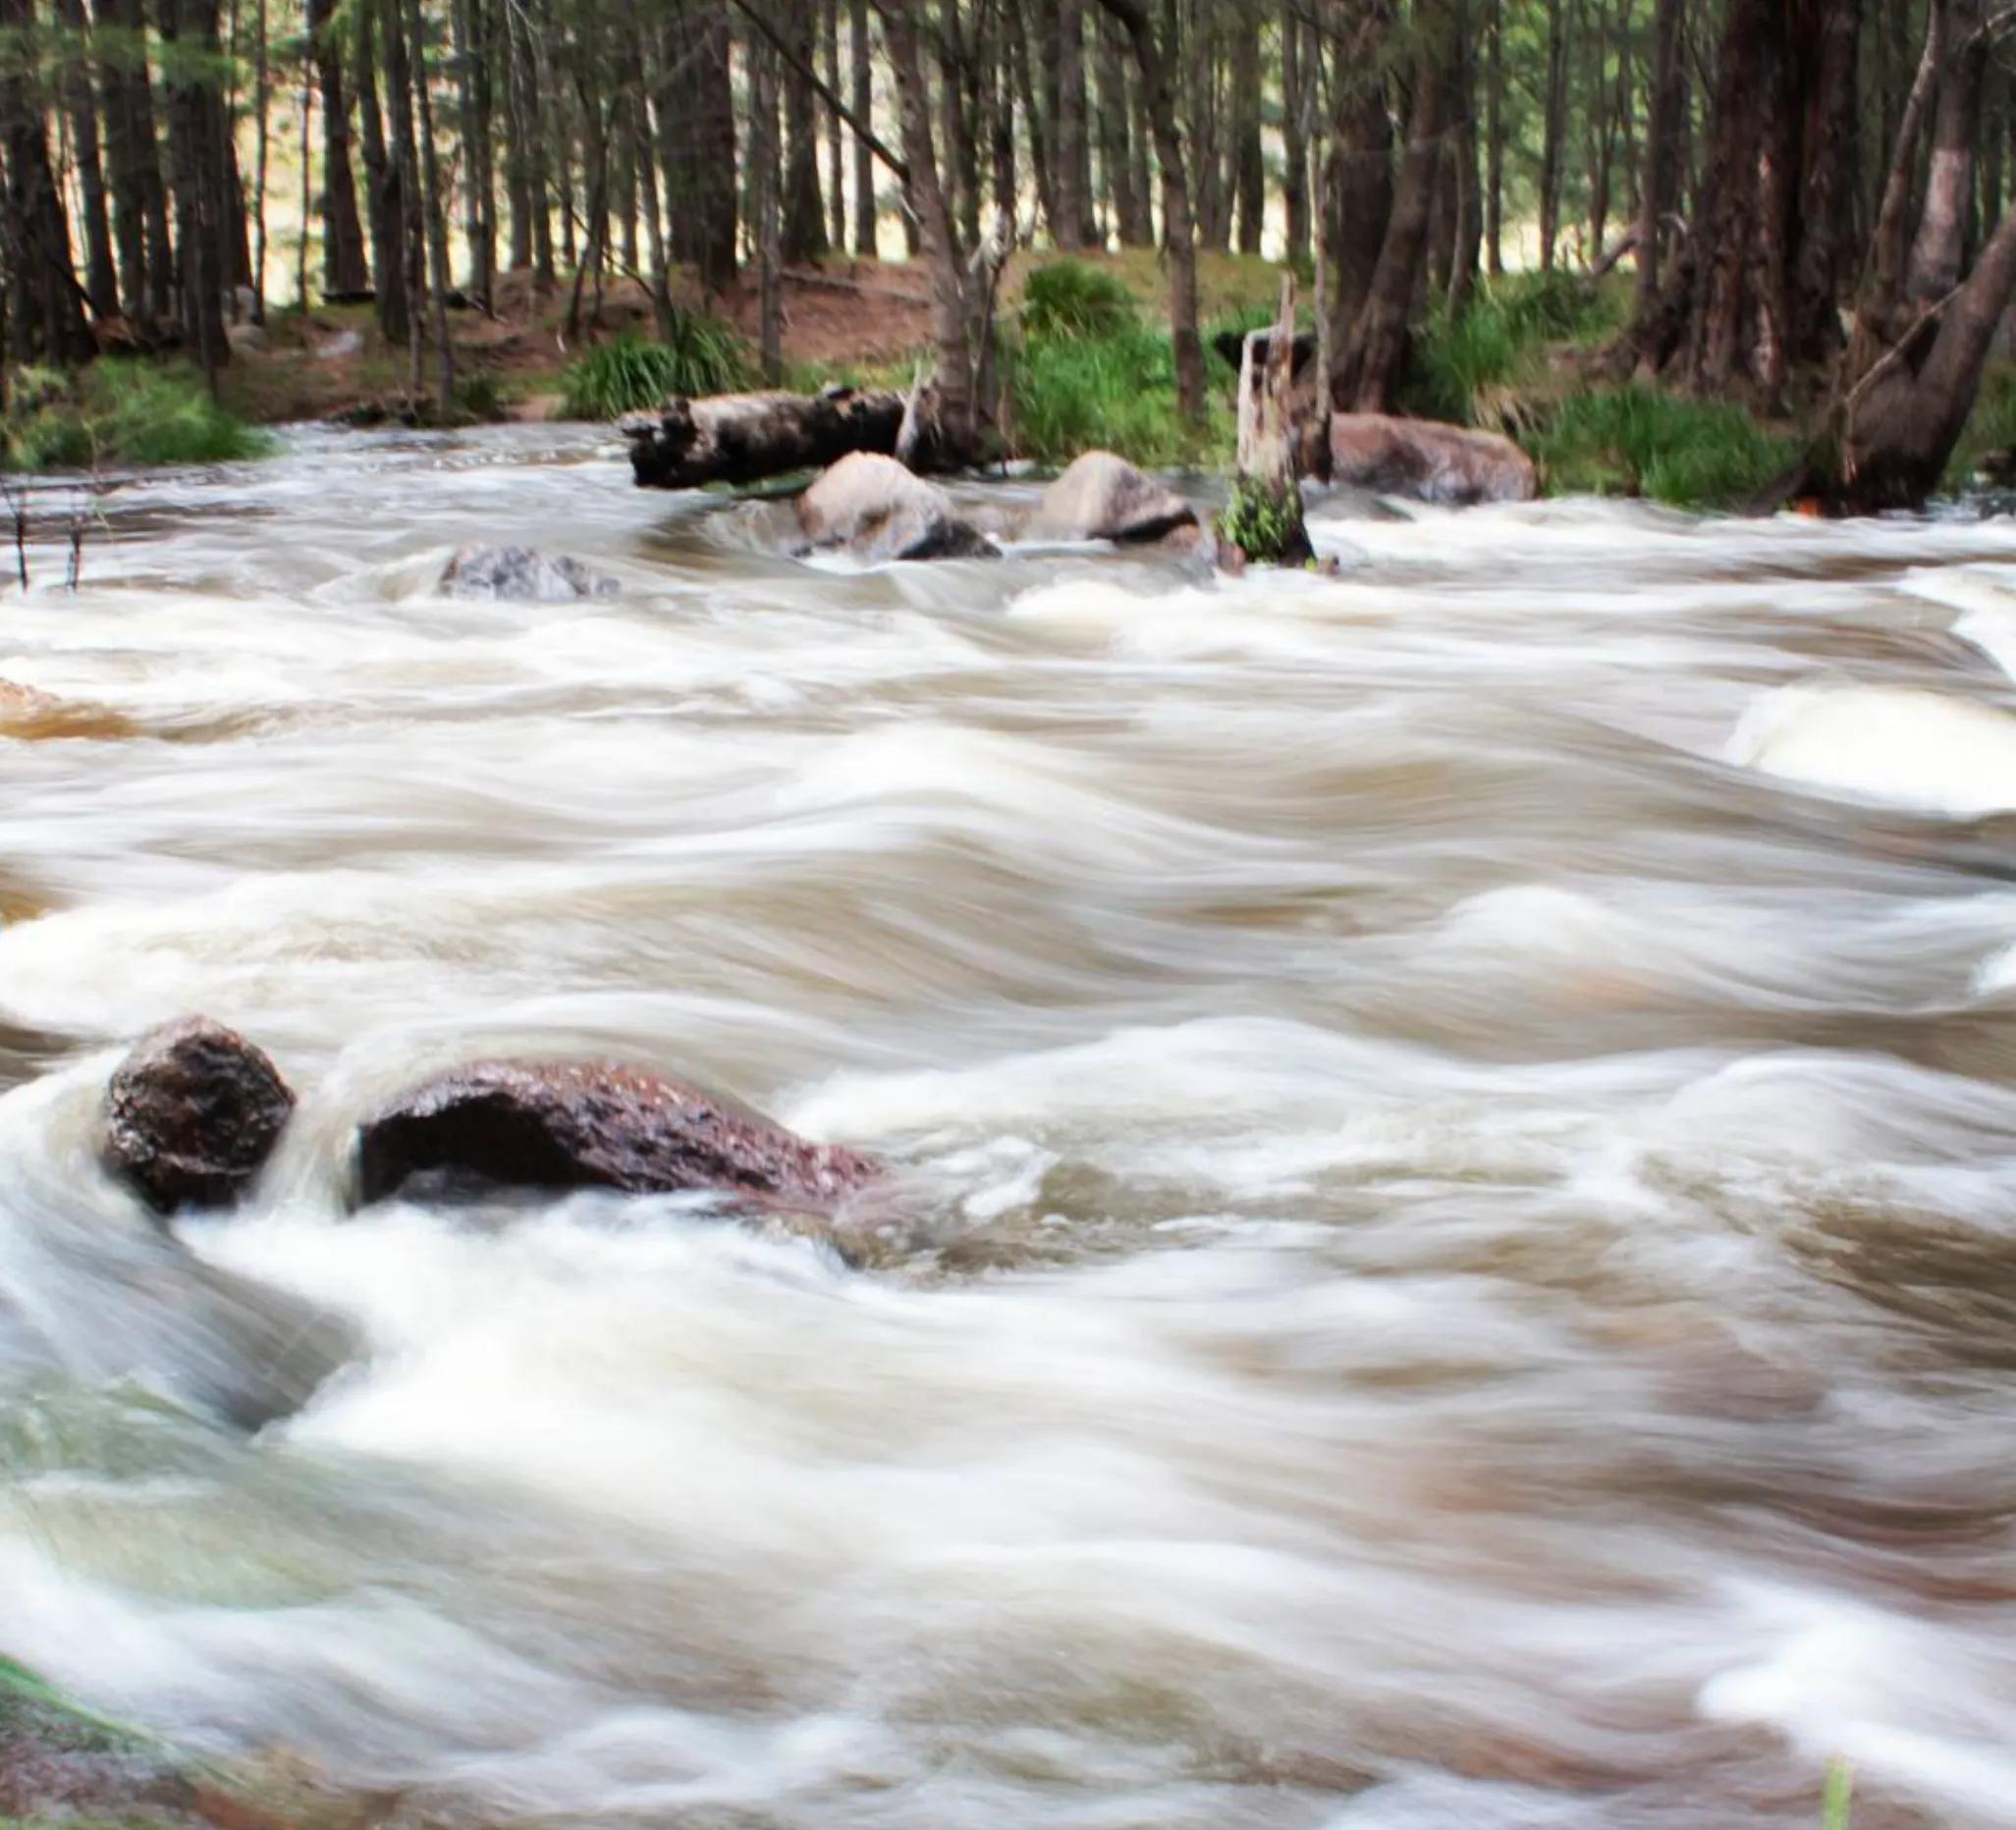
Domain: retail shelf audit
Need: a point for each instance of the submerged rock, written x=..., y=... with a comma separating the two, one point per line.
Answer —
x=879, y=510
x=192, y=1115
x=1426, y=460
x=28, y=711
x=521, y=575
x=592, y=1124
x=1101, y=496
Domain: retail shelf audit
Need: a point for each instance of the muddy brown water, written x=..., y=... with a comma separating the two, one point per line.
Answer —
x=1464, y=1117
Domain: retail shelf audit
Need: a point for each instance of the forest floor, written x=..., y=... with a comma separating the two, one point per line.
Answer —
x=846, y=318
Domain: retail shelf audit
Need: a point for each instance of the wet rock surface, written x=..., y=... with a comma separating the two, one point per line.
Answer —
x=192, y=1115
x=1424, y=461
x=523, y=575
x=1101, y=496
x=879, y=510
x=589, y=1124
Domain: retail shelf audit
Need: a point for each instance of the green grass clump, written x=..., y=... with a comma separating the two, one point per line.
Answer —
x=1989, y=437
x=1068, y=299
x=119, y=412
x=1465, y=362
x=630, y=373
x=1639, y=440
x=1115, y=393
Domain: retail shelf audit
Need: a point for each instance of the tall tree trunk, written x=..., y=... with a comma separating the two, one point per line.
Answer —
x=139, y=203
x=1159, y=93
x=471, y=22
x=836, y=145
x=763, y=204
x=1494, y=134
x=404, y=158
x=1554, y=133
x=262, y=98
x=1249, y=162
x=1359, y=191
x=1297, y=94
x=436, y=206
x=204, y=209
x=1937, y=250
x=1660, y=194
x=1372, y=360
x=384, y=194
x=1041, y=142
x=699, y=112
x=80, y=105
x=1133, y=219
x=45, y=315
x=805, y=213
x=864, y=158
x=1072, y=226
x=954, y=378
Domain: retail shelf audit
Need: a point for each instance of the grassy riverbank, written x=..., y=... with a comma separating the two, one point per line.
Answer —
x=1085, y=361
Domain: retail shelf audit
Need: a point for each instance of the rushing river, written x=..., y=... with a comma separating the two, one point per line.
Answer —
x=1461, y=1120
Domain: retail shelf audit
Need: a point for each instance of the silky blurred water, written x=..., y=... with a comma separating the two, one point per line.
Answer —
x=1460, y=1119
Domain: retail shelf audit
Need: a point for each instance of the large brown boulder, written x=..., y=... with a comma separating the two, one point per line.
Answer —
x=593, y=1124
x=1424, y=461
x=880, y=510
x=192, y=1115
x=1101, y=496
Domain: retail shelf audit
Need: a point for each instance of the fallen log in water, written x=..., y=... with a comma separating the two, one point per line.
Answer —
x=743, y=438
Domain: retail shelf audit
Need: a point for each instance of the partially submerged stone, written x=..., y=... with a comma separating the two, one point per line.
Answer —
x=1101, y=496
x=522, y=574
x=1426, y=460
x=590, y=1124
x=27, y=712
x=192, y=1115
x=880, y=510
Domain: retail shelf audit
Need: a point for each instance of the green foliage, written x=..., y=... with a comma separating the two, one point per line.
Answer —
x=1466, y=361
x=1266, y=524
x=630, y=373
x=119, y=412
x=1638, y=441
x=1986, y=450
x=1068, y=299
x=1115, y=393
x=1840, y=1788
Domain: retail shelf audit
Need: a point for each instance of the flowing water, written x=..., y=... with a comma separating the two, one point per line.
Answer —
x=1460, y=1119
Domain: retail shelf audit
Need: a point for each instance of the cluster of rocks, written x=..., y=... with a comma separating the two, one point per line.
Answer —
x=196, y=1110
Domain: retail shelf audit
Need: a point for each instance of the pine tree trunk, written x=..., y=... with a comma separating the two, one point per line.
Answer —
x=204, y=229
x=1072, y=226
x=1939, y=247
x=864, y=102
x=1249, y=163
x=1553, y=134
x=262, y=99
x=130, y=155
x=436, y=204
x=1360, y=187
x=80, y=105
x=1159, y=93
x=1295, y=123
x=1041, y=144
x=470, y=21
x=1495, y=136
x=45, y=313
x=384, y=194
x=805, y=212
x=1660, y=191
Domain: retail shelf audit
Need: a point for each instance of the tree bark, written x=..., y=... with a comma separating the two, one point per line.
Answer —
x=1938, y=249
x=864, y=157
x=1178, y=229
x=384, y=196
x=805, y=212
x=1249, y=163
x=1660, y=193
x=1359, y=191
x=45, y=312
x=1072, y=226
x=1297, y=118
x=1554, y=133
x=80, y=105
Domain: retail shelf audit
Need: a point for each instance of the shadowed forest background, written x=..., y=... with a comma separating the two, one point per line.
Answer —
x=1766, y=237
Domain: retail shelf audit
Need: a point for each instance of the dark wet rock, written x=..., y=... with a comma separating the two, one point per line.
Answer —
x=192, y=1115
x=523, y=575
x=591, y=1124
x=1424, y=461
x=1103, y=497
x=879, y=510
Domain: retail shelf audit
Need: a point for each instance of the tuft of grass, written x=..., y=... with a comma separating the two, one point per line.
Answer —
x=1465, y=363
x=1115, y=393
x=1834, y=1800
x=631, y=373
x=1986, y=450
x=1639, y=440
x=1071, y=299
x=120, y=412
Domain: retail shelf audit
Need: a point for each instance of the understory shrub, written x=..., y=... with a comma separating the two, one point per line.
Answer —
x=120, y=412
x=1640, y=441
x=629, y=372
x=1068, y=299
x=1465, y=362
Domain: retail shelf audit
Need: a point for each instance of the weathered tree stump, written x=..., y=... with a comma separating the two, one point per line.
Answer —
x=1263, y=515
